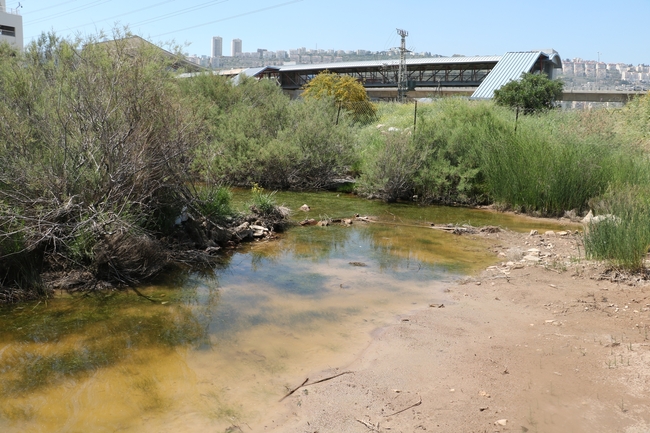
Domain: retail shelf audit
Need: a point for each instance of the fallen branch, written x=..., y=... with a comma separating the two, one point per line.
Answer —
x=328, y=378
x=406, y=408
x=370, y=425
x=314, y=383
x=295, y=389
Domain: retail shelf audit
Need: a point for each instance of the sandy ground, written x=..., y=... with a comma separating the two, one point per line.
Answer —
x=555, y=345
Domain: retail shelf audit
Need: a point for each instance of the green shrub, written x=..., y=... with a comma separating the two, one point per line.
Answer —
x=532, y=93
x=215, y=202
x=623, y=236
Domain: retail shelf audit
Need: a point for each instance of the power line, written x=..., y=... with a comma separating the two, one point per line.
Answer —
x=51, y=6
x=184, y=11
x=229, y=18
x=121, y=15
x=69, y=11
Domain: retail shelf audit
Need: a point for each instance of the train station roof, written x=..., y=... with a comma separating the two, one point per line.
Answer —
x=512, y=65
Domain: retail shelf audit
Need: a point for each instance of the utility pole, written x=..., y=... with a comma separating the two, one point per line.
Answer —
x=401, y=77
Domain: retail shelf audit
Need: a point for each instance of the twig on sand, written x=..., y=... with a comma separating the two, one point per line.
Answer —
x=370, y=425
x=328, y=378
x=407, y=408
x=295, y=389
x=314, y=383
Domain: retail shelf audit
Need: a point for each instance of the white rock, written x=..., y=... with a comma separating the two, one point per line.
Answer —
x=502, y=422
x=549, y=233
x=533, y=233
x=532, y=258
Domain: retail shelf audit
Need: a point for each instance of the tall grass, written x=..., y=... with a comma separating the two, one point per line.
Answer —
x=546, y=171
x=623, y=236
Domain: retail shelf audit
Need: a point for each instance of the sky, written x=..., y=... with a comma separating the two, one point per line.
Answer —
x=588, y=29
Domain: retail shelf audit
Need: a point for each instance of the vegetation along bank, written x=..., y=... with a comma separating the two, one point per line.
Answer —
x=112, y=168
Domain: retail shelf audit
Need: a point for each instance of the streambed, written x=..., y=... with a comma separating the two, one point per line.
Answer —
x=221, y=347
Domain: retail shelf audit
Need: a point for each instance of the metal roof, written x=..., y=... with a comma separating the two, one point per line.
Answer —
x=509, y=68
x=390, y=62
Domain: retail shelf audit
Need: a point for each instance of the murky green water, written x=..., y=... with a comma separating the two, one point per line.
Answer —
x=220, y=348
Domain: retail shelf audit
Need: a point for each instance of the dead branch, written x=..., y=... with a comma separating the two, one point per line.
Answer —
x=407, y=408
x=295, y=389
x=329, y=378
x=314, y=383
x=370, y=425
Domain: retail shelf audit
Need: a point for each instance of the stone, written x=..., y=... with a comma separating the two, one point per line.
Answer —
x=305, y=208
x=532, y=258
x=563, y=233
x=533, y=233
x=549, y=233
x=501, y=422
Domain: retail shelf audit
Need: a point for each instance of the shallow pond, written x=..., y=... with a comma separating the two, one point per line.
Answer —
x=221, y=347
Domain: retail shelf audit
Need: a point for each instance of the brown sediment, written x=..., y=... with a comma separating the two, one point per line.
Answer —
x=557, y=344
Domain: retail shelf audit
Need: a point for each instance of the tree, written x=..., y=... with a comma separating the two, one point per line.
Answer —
x=345, y=90
x=532, y=93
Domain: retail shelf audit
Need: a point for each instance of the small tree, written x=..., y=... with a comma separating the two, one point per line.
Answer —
x=532, y=93
x=345, y=90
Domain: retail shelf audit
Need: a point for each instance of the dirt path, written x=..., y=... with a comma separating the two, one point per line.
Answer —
x=536, y=346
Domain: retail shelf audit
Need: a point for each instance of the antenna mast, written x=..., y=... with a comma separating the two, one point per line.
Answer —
x=401, y=77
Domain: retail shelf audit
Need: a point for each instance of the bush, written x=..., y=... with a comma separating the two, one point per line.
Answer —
x=95, y=140
x=532, y=93
x=259, y=136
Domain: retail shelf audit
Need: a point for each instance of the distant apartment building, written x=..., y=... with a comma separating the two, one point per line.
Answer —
x=11, y=26
x=217, y=46
x=236, y=48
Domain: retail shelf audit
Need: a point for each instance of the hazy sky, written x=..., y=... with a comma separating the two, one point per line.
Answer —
x=574, y=28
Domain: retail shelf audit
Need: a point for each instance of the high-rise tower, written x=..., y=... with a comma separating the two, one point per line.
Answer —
x=11, y=26
x=217, y=46
x=236, y=48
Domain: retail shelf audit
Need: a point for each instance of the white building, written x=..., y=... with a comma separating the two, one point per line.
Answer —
x=11, y=26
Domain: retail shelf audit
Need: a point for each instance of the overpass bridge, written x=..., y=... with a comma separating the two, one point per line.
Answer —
x=475, y=77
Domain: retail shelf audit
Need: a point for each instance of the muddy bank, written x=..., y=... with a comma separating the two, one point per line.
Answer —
x=127, y=258
x=555, y=344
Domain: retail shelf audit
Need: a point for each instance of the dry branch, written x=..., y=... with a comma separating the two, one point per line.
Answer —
x=406, y=408
x=314, y=383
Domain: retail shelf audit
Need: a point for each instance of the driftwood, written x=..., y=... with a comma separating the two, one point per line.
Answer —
x=314, y=383
x=370, y=425
x=406, y=408
x=295, y=389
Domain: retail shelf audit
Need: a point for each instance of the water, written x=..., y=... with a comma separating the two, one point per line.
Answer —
x=220, y=348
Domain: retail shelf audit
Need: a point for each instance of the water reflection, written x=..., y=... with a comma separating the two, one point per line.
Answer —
x=220, y=345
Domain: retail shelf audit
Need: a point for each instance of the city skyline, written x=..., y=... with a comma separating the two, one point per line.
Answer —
x=587, y=29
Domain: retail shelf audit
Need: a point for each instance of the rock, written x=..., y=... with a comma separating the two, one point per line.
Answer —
x=212, y=250
x=347, y=221
x=358, y=264
x=323, y=223
x=308, y=222
x=305, y=208
x=587, y=219
x=533, y=233
x=549, y=233
x=501, y=422
x=563, y=233
x=490, y=229
x=533, y=252
x=532, y=258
